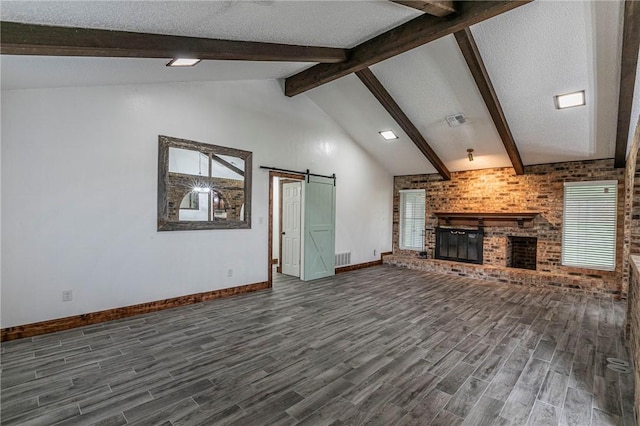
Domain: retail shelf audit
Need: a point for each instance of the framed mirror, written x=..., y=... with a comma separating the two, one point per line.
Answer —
x=202, y=186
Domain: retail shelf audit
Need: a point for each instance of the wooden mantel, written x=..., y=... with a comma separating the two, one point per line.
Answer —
x=520, y=219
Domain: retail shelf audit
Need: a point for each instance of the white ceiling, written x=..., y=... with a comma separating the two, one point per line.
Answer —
x=354, y=108
x=550, y=48
x=24, y=72
x=314, y=23
x=531, y=54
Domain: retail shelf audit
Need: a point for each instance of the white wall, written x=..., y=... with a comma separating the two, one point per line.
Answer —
x=79, y=188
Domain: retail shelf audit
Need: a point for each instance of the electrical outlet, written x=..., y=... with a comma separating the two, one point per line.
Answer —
x=67, y=295
x=230, y=272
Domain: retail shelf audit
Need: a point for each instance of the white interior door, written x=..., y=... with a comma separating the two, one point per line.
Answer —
x=291, y=233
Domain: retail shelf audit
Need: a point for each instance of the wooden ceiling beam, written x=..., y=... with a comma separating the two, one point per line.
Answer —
x=377, y=89
x=432, y=7
x=30, y=39
x=469, y=50
x=630, y=46
x=227, y=164
x=398, y=40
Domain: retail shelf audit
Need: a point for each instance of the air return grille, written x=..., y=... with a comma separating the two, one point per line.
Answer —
x=456, y=120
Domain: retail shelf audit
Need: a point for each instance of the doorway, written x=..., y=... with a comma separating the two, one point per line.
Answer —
x=301, y=225
x=278, y=223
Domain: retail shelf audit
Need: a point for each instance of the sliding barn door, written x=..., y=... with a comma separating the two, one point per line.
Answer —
x=319, y=227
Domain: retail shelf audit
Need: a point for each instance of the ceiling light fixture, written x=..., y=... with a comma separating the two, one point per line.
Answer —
x=388, y=135
x=569, y=100
x=183, y=62
x=470, y=154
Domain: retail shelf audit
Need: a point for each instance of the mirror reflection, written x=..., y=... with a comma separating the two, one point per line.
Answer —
x=204, y=186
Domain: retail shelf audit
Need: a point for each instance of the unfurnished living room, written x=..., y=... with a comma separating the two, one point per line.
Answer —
x=279, y=212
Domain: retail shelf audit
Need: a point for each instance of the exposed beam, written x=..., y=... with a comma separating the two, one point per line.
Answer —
x=377, y=89
x=227, y=164
x=432, y=7
x=29, y=39
x=405, y=37
x=630, y=46
x=469, y=49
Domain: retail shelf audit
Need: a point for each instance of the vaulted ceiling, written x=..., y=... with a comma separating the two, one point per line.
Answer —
x=369, y=65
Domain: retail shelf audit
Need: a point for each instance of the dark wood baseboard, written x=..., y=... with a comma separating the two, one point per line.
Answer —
x=358, y=266
x=362, y=265
x=37, y=328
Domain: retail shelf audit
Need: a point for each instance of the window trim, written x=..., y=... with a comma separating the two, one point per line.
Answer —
x=586, y=265
x=402, y=218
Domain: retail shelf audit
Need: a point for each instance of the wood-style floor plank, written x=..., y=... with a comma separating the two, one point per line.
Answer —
x=382, y=345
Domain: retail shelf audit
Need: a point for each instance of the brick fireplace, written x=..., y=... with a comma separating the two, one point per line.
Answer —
x=508, y=255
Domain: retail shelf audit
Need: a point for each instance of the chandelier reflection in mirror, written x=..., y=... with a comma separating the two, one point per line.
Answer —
x=202, y=186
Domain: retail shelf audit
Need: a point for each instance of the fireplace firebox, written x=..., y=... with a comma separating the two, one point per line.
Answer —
x=459, y=244
x=521, y=252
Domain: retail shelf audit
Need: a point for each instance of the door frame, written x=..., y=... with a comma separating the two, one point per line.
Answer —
x=273, y=174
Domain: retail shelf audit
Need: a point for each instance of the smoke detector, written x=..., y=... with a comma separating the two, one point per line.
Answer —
x=456, y=119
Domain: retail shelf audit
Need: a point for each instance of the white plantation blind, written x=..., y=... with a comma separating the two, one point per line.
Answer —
x=412, y=213
x=589, y=224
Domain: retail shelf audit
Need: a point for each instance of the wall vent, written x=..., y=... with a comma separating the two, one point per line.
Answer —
x=343, y=258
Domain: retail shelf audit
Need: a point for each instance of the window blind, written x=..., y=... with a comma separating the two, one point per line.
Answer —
x=589, y=224
x=412, y=212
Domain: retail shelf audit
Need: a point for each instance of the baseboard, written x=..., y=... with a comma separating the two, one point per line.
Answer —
x=37, y=328
x=358, y=266
x=363, y=265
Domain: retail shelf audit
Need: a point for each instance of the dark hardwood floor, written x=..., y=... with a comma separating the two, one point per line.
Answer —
x=375, y=346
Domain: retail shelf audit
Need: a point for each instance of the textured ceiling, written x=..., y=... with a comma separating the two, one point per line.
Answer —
x=352, y=106
x=24, y=72
x=531, y=54
x=314, y=23
x=432, y=82
x=549, y=48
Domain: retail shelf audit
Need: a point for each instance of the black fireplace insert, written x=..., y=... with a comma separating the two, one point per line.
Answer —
x=461, y=245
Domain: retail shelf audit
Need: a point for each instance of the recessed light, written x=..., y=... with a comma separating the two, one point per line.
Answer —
x=569, y=100
x=183, y=62
x=388, y=135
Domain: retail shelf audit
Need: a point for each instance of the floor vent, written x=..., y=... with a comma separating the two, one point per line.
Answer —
x=343, y=258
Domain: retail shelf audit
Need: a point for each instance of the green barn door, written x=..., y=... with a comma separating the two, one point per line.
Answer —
x=319, y=227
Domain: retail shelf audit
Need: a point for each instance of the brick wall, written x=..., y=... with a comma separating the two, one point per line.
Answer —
x=540, y=189
x=631, y=218
x=633, y=323
x=631, y=279
x=180, y=185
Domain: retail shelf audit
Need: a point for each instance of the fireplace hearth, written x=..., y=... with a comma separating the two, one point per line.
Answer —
x=459, y=244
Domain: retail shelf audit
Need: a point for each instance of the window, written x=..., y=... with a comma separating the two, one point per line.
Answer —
x=412, y=214
x=589, y=224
